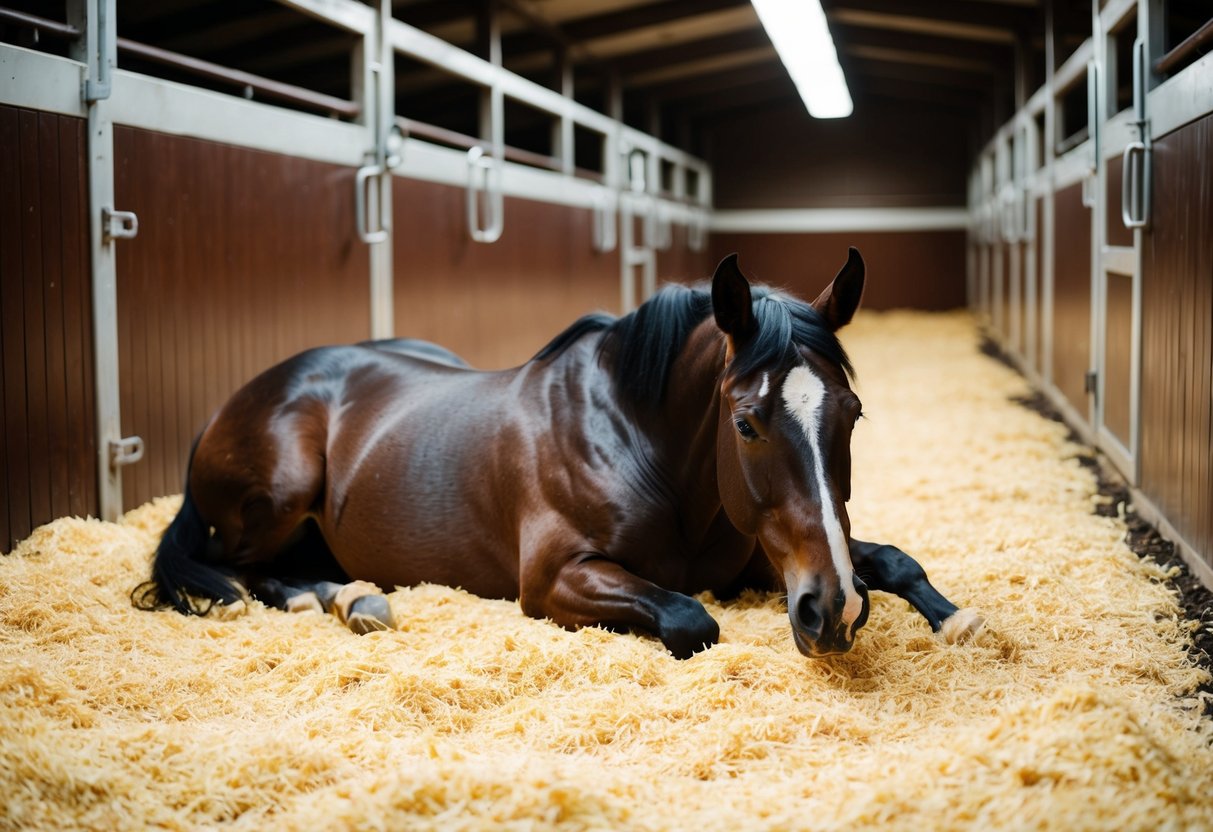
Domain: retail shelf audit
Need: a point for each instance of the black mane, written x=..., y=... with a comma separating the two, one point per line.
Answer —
x=645, y=343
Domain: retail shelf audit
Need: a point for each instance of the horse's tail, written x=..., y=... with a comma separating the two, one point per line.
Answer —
x=179, y=575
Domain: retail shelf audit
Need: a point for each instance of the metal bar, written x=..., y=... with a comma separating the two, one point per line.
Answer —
x=346, y=14
x=105, y=300
x=42, y=24
x=266, y=86
x=382, y=102
x=1194, y=41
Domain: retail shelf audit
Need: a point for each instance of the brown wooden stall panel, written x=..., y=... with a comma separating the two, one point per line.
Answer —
x=679, y=264
x=243, y=258
x=1071, y=296
x=1177, y=335
x=905, y=269
x=1008, y=293
x=496, y=304
x=48, y=461
x=1118, y=357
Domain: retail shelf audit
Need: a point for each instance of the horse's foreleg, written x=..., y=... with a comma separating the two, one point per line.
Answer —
x=590, y=590
x=889, y=569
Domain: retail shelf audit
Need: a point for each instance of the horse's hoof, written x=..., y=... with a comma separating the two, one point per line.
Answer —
x=370, y=613
x=304, y=602
x=961, y=625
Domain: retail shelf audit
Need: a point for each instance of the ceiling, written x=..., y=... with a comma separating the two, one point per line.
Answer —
x=681, y=64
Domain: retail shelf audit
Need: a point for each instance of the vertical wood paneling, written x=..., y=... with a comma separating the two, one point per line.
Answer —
x=77, y=317
x=497, y=304
x=1118, y=355
x=15, y=455
x=1071, y=296
x=678, y=264
x=243, y=258
x=1177, y=334
x=47, y=460
x=50, y=191
x=916, y=270
x=37, y=434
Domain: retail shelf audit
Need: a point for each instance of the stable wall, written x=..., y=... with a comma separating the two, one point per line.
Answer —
x=494, y=304
x=1177, y=335
x=243, y=258
x=48, y=459
x=883, y=180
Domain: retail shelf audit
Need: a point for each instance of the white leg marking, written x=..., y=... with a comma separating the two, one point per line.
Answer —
x=766, y=385
x=803, y=394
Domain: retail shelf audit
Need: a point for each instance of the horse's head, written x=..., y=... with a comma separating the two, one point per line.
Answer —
x=784, y=444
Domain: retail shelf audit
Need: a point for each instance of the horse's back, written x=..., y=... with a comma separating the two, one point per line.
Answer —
x=263, y=462
x=417, y=348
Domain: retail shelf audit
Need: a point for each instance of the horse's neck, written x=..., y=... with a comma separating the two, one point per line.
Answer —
x=689, y=416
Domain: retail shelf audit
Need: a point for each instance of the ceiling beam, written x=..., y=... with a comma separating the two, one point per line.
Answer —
x=848, y=35
x=980, y=15
x=718, y=81
x=711, y=47
x=967, y=102
x=949, y=78
x=602, y=26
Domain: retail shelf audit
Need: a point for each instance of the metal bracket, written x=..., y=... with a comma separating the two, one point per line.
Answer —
x=118, y=225
x=99, y=87
x=1088, y=190
x=605, y=237
x=1136, y=162
x=697, y=231
x=125, y=451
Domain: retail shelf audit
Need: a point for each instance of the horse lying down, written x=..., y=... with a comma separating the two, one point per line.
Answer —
x=699, y=443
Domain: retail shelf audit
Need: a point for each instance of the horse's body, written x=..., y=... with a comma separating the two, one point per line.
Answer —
x=585, y=483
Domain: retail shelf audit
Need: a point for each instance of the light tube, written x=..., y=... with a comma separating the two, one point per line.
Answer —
x=798, y=30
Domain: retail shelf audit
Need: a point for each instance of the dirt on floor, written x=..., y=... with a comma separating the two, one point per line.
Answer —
x=1145, y=541
x=1195, y=598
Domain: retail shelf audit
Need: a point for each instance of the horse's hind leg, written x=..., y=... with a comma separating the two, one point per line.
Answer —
x=889, y=569
x=360, y=605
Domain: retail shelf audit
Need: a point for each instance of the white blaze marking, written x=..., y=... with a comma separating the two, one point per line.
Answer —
x=766, y=385
x=803, y=394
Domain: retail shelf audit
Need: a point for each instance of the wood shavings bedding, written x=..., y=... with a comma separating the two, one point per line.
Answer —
x=1072, y=710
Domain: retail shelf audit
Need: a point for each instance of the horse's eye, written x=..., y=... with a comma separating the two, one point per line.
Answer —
x=746, y=429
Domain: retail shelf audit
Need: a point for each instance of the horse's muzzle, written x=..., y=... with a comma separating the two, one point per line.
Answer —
x=818, y=627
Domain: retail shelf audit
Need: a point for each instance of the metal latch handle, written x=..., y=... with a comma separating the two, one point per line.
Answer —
x=1135, y=186
x=481, y=165
x=361, y=197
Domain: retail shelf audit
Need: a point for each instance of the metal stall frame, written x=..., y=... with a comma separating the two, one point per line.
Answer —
x=89, y=86
x=1158, y=108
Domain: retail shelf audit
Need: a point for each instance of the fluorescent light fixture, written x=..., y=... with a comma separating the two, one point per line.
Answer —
x=798, y=30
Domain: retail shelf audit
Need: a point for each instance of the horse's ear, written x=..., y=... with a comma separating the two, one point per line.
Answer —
x=731, y=301
x=837, y=304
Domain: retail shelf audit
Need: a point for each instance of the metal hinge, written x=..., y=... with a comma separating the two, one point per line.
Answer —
x=118, y=225
x=1089, y=382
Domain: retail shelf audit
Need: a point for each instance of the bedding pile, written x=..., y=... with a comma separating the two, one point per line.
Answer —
x=1074, y=708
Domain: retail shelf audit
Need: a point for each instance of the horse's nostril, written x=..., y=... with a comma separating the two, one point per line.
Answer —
x=807, y=614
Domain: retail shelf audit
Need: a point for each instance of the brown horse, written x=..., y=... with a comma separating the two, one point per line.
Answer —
x=700, y=443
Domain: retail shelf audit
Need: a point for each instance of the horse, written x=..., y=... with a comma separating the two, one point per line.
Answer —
x=699, y=443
